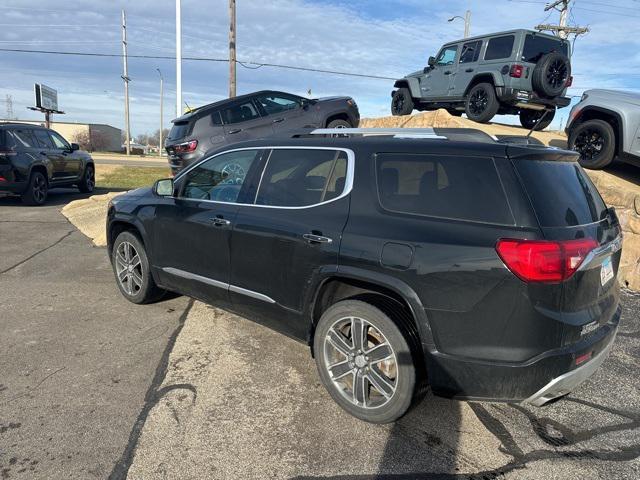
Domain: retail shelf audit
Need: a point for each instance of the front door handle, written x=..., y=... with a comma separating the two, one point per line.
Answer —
x=43, y=153
x=311, y=238
x=447, y=72
x=237, y=130
x=278, y=120
x=469, y=70
x=220, y=222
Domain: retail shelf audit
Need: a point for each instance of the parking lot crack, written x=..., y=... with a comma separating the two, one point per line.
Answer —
x=42, y=250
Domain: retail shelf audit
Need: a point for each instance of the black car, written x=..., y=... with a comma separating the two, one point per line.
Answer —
x=256, y=115
x=34, y=159
x=486, y=269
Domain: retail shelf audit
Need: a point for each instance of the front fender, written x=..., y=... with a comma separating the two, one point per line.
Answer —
x=412, y=83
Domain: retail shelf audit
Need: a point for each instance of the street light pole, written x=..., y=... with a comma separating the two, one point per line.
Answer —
x=467, y=22
x=161, y=112
x=178, y=60
x=232, y=48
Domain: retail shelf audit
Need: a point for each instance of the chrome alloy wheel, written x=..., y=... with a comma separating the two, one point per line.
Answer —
x=361, y=362
x=128, y=268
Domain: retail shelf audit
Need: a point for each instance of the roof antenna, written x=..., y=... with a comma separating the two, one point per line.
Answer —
x=537, y=123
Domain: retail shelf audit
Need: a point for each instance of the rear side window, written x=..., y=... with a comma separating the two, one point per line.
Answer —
x=561, y=193
x=302, y=177
x=240, y=113
x=179, y=130
x=42, y=136
x=463, y=188
x=499, y=47
x=470, y=52
x=20, y=139
x=537, y=46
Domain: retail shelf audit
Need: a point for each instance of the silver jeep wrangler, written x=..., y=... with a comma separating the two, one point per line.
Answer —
x=516, y=72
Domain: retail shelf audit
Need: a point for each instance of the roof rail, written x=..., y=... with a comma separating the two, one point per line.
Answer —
x=396, y=132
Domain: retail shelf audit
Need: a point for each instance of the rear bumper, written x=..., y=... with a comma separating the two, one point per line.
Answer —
x=547, y=376
x=13, y=187
x=526, y=99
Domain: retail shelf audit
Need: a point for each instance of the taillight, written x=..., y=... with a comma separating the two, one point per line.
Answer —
x=544, y=260
x=2, y=179
x=186, y=147
x=569, y=81
x=516, y=71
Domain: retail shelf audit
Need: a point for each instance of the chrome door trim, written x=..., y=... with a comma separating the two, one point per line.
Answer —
x=251, y=293
x=347, y=187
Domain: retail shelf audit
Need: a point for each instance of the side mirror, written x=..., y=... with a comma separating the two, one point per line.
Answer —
x=304, y=103
x=74, y=147
x=163, y=187
x=432, y=61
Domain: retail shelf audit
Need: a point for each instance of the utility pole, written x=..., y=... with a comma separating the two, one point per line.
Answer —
x=161, y=113
x=467, y=22
x=232, y=48
x=178, y=60
x=562, y=30
x=125, y=77
x=9, y=102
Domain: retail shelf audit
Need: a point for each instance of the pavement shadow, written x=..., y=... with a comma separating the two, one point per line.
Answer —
x=625, y=171
x=58, y=197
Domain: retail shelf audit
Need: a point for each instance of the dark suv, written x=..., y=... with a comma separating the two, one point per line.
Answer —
x=34, y=159
x=486, y=269
x=256, y=115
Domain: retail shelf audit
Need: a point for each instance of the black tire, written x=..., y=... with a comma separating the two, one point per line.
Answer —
x=375, y=408
x=37, y=190
x=595, y=141
x=401, y=102
x=339, y=123
x=88, y=180
x=136, y=284
x=528, y=118
x=481, y=104
x=551, y=74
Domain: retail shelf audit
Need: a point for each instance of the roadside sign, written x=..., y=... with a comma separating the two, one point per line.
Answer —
x=46, y=97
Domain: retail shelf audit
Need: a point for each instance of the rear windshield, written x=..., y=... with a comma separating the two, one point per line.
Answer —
x=537, y=46
x=462, y=188
x=561, y=193
x=179, y=130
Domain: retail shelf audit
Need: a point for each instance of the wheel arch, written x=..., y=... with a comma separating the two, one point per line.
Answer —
x=118, y=225
x=343, y=115
x=413, y=84
x=599, y=113
x=42, y=168
x=482, y=78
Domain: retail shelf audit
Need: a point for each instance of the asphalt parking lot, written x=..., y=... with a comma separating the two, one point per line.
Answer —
x=92, y=386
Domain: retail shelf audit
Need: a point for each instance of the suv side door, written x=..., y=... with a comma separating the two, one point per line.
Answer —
x=285, y=111
x=191, y=230
x=71, y=160
x=436, y=81
x=48, y=150
x=243, y=121
x=467, y=64
x=290, y=234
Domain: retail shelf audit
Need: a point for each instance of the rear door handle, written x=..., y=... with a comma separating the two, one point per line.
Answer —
x=237, y=130
x=469, y=70
x=220, y=222
x=43, y=153
x=447, y=72
x=278, y=120
x=311, y=238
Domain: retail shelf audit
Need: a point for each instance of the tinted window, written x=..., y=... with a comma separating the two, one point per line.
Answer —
x=499, y=47
x=470, y=52
x=43, y=139
x=277, y=103
x=21, y=139
x=561, y=193
x=219, y=178
x=215, y=118
x=240, y=113
x=447, y=56
x=465, y=188
x=179, y=130
x=59, y=142
x=536, y=46
x=298, y=178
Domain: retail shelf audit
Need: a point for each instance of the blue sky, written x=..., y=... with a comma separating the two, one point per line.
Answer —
x=385, y=38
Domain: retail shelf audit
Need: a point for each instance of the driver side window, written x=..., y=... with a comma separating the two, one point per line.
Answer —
x=220, y=178
x=447, y=56
x=59, y=142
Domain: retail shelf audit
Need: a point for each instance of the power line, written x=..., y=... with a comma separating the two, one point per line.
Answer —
x=200, y=59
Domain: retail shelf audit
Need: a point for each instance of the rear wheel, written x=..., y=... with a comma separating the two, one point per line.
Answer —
x=131, y=268
x=530, y=118
x=37, y=189
x=88, y=181
x=482, y=104
x=338, y=123
x=364, y=361
x=595, y=141
x=401, y=102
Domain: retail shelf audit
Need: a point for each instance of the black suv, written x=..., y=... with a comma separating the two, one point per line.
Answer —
x=256, y=115
x=486, y=269
x=34, y=159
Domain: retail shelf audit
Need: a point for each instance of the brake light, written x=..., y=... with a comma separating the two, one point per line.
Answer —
x=516, y=71
x=544, y=260
x=583, y=358
x=2, y=179
x=186, y=147
x=569, y=81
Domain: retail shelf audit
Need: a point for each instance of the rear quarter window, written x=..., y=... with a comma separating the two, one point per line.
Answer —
x=561, y=193
x=499, y=47
x=461, y=188
x=179, y=130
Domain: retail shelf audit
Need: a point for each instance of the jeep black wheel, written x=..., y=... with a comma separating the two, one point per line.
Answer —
x=401, y=102
x=37, y=190
x=364, y=361
x=530, y=118
x=594, y=140
x=482, y=104
x=338, y=123
x=551, y=74
x=88, y=181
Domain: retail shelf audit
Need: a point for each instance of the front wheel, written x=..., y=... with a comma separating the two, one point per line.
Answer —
x=531, y=118
x=88, y=180
x=364, y=361
x=401, y=102
x=481, y=104
x=338, y=123
x=595, y=141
